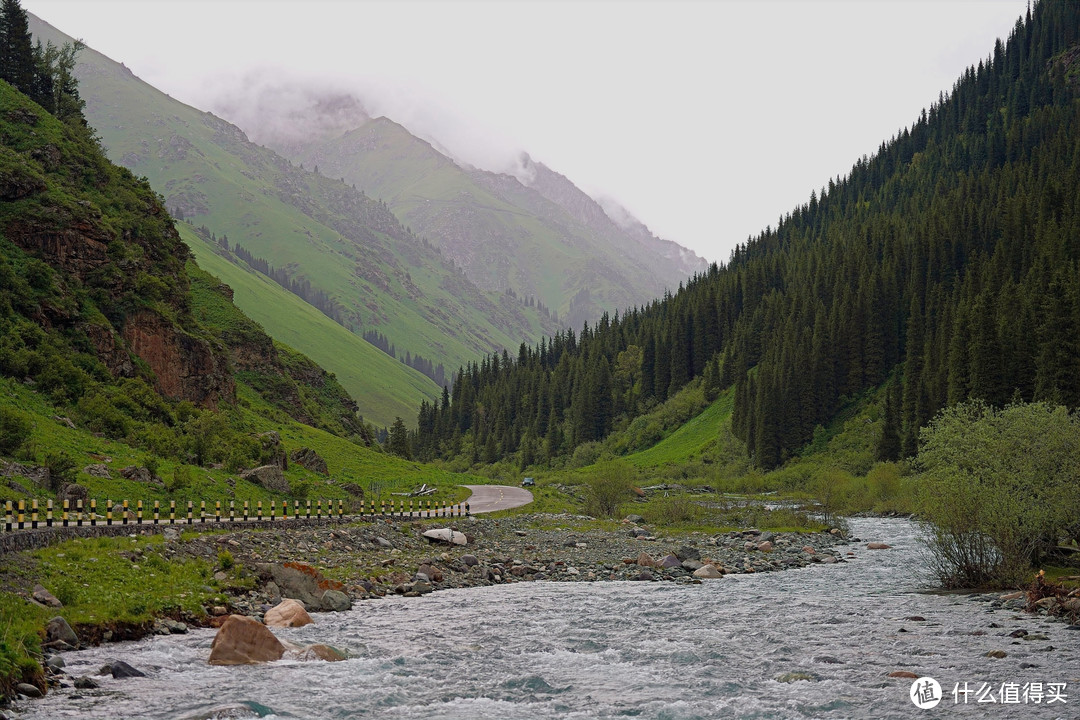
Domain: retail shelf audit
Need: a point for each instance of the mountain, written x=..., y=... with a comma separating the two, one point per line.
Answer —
x=339, y=249
x=101, y=311
x=532, y=232
x=944, y=268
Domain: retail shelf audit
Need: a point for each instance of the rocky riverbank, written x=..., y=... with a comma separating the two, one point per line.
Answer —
x=375, y=559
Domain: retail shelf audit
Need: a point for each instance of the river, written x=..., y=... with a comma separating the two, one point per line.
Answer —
x=614, y=650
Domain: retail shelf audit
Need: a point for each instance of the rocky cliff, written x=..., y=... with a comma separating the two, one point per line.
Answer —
x=114, y=275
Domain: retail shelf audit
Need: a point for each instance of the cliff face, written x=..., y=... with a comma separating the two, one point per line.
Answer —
x=185, y=367
x=115, y=263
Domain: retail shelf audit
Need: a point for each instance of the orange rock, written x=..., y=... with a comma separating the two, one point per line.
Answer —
x=878, y=546
x=287, y=613
x=244, y=641
x=903, y=674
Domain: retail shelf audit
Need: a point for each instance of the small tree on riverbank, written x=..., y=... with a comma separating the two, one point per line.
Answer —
x=1000, y=488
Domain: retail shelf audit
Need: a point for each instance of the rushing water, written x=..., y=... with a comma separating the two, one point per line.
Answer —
x=607, y=650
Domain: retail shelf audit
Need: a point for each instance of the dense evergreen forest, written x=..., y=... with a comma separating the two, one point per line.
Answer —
x=946, y=265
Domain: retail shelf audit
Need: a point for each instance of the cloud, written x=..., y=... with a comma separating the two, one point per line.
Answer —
x=276, y=108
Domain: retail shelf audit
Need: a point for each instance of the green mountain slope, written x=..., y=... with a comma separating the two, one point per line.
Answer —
x=376, y=275
x=535, y=233
x=296, y=323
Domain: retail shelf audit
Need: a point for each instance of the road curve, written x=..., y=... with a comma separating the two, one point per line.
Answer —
x=489, y=498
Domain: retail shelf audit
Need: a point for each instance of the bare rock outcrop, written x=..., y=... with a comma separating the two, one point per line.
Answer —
x=269, y=476
x=186, y=367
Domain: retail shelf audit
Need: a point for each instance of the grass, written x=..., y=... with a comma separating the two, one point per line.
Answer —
x=382, y=387
x=347, y=462
x=103, y=583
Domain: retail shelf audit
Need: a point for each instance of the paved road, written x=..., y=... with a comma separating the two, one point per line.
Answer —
x=489, y=498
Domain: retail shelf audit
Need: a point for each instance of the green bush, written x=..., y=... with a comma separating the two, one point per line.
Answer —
x=1000, y=488
x=609, y=487
x=62, y=469
x=15, y=429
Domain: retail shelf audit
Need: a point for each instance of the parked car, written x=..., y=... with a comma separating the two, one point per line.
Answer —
x=528, y=482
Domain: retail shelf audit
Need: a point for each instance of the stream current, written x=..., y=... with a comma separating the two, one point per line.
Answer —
x=612, y=650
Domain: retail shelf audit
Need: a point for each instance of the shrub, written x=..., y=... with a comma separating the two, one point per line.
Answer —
x=178, y=479
x=1000, y=487
x=62, y=469
x=15, y=429
x=608, y=487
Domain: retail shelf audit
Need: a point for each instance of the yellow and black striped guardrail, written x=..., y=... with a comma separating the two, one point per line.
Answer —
x=35, y=514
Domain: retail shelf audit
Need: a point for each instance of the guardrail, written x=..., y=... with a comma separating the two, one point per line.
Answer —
x=31, y=515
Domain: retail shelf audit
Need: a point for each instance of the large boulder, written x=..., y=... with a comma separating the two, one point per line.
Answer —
x=244, y=641
x=304, y=583
x=335, y=601
x=43, y=596
x=74, y=494
x=270, y=477
x=98, y=470
x=446, y=535
x=58, y=630
x=310, y=460
x=136, y=473
x=287, y=613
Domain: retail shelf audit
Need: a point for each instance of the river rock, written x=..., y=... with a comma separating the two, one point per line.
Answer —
x=335, y=601
x=319, y=651
x=244, y=641
x=998, y=654
x=692, y=565
x=270, y=477
x=670, y=561
x=45, y=597
x=635, y=519
x=30, y=691
x=469, y=560
x=384, y=543
x=878, y=546
x=766, y=546
x=121, y=670
x=58, y=630
x=287, y=613
x=446, y=535
x=708, y=572
x=687, y=553
x=86, y=683
x=297, y=581
x=903, y=674
x=433, y=573
x=645, y=560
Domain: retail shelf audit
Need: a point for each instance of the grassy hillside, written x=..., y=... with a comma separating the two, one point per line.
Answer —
x=318, y=229
x=383, y=388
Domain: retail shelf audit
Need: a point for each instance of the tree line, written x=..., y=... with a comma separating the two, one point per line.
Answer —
x=946, y=266
x=45, y=73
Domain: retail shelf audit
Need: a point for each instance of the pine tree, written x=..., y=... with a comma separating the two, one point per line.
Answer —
x=398, y=440
x=17, y=63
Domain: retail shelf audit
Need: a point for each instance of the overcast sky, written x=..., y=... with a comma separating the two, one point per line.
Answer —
x=706, y=119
